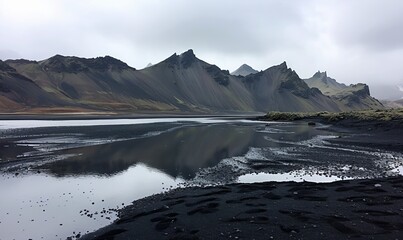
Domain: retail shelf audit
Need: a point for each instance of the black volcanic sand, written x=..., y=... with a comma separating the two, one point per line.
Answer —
x=366, y=209
x=374, y=134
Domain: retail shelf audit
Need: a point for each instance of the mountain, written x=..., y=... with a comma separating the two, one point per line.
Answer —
x=17, y=92
x=280, y=88
x=325, y=84
x=244, y=70
x=393, y=104
x=389, y=92
x=97, y=84
x=149, y=65
x=191, y=84
x=180, y=83
x=353, y=97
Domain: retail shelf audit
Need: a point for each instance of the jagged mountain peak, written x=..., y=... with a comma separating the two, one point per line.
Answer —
x=320, y=74
x=326, y=84
x=244, y=70
x=283, y=65
x=361, y=88
x=185, y=59
x=71, y=64
x=179, y=83
x=189, y=53
x=188, y=58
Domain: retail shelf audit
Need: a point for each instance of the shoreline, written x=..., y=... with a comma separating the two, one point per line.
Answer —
x=94, y=116
x=369, y=208
x=272, y=209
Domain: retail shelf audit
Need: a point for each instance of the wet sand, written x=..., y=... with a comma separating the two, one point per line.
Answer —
x=204, y=213
x=368, y=209
x=374, y=134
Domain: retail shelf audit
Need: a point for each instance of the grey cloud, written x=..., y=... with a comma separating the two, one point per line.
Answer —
x=371, y=24
x=349, y=39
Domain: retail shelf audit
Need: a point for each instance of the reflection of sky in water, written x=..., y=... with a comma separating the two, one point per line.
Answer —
x=24, y=198
x=20, y=124
x=121, y=163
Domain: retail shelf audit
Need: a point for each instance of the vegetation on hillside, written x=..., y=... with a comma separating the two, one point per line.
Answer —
x=364, y=115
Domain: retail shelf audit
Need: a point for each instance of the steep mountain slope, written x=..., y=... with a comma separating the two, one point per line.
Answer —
x=280, y=88
x=102, y=83
x=325, y=84
x=18, y=92
x=191, y=83
x=353, y=97
x=244, y=70
x=180, y=83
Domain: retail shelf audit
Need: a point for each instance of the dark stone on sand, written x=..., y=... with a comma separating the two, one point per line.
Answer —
x=338, y=210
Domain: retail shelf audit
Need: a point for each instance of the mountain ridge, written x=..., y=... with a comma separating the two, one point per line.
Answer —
x=180, y=83
x=352, y=97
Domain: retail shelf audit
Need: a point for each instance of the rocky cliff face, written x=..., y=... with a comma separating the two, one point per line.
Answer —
x=181, y=83
x=63, y=64
x=325, y=84
x=280, y=88
x=355, y=96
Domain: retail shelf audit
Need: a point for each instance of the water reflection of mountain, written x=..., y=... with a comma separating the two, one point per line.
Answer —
x=181, y=152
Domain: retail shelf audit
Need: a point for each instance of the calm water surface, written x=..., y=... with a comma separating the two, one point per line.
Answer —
x=63, y=178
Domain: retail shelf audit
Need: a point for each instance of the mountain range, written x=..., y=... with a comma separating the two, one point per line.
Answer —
x=180, y=83
x=355, y=96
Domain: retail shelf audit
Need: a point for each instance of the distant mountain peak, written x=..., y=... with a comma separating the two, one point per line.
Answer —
x=353, y=96
x=149, y=65
x=188, y=58
x=188, y=53
x=283, y=65
x=244, y=70
x=320, y=74
x=185, y=59
x=181, y=82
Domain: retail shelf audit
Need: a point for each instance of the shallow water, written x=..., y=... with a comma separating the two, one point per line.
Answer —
x=61, y=178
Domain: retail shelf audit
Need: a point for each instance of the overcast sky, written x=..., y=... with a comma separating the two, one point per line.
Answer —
x=354, y=41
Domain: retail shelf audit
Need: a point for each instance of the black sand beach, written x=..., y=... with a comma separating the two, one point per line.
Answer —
x=364, y=209
x=375, y=134
x=134, y=161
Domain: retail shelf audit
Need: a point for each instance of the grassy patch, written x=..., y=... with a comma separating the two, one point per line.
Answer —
x=364, y=115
